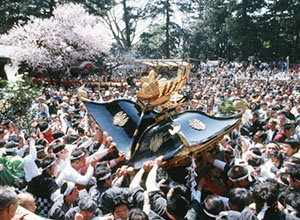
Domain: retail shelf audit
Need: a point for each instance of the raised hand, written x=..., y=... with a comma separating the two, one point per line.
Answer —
x=159, y=161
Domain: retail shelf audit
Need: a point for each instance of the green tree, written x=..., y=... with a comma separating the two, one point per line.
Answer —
x=281, y=30
x=14, y=12
x=151, y=43
x=242, y=25
x=294, y=9
x=163, y=8
x=210, y=38
x=16, y=102
x=175, y=37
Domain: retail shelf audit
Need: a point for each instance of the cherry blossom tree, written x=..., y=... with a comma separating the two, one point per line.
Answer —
x=71, y=35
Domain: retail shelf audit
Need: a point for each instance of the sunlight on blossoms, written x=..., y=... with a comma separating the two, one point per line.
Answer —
x=70, y=36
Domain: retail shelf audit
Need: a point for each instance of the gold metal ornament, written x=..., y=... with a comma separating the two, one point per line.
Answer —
x=120, y=119
x=156, y=91
x=156, y=142
x=197, y=124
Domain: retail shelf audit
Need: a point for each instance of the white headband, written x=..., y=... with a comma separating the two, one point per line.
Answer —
x=105, y=177
x=47, y=129
x=77, y=157
x=238, y=179
x=69, y=189
x=221, y=215
x=20, y=190
x=254, y=155
x=209, y=214
x=50, y=165
x=162, y=182
x=226, y=214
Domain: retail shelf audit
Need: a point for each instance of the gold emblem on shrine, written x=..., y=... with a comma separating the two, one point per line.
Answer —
x=120, y=119
x=197, y=124
x=156, y=142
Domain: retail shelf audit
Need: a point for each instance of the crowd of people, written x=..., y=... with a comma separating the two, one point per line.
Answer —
x=69, y=168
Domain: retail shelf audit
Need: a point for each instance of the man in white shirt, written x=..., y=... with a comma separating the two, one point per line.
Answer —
x=82, y=111
x=42, y=107
x=294, y=110
x=71, y=171
x=263, y=111
x=63, y=155
x=30, y=167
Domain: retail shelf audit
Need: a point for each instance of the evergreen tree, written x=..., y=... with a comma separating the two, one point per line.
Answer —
x=210, y=37
x=242, y=25
x=281, y=30
x=14, y=12
x=151, y=43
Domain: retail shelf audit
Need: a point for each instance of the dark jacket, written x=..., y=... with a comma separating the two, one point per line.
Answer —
x=272, y=214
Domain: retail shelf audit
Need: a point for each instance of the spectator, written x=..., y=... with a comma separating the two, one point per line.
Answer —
x=27, y=201
x=287, y=132
x=294, y=176
x=46, y=131
x=104, y=181
x=8, y=203
x=288, y=113
x=62, y=153
x=46, y=182
x=272, y=130
x=137, y=214
x=265, y=198
x=42, y=107
x=85, y=210
x=62, y=204
x=291, y=147
x=120, y=210
x=211, y=87
x=53, y=106
x=239, y=198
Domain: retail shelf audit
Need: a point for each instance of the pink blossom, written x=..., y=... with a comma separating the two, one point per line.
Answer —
x=55, y=43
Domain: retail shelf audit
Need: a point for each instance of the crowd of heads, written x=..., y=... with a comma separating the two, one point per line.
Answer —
x=69, y=168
